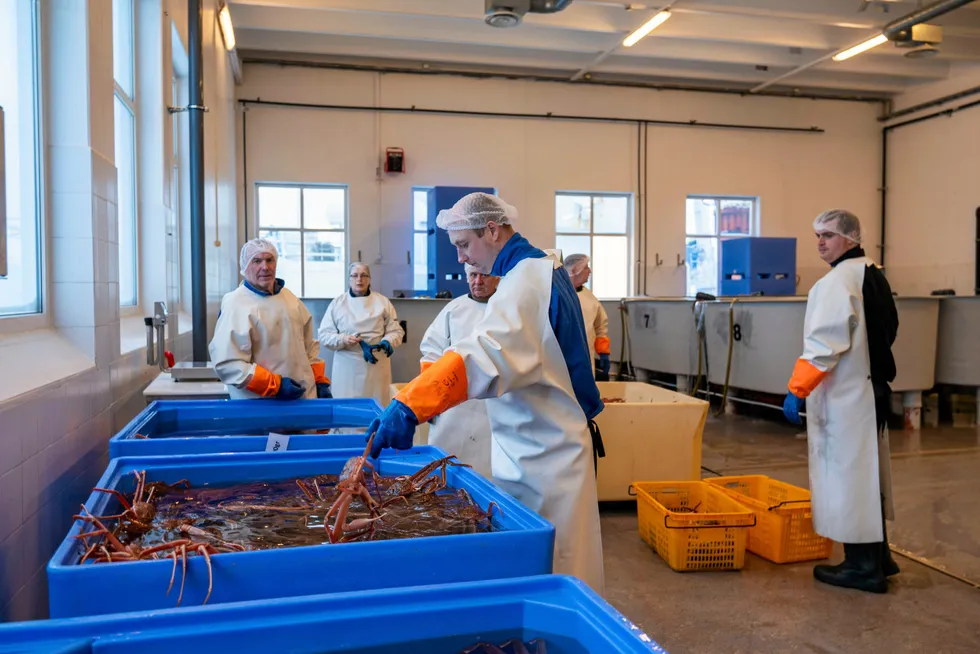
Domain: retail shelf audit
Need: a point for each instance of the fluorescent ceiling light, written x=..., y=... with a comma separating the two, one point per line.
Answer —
x=858, y=49
x=646, y=28
x=227, y=31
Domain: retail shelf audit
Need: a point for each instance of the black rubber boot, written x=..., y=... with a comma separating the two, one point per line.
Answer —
x=861, y=569
x=888, y=565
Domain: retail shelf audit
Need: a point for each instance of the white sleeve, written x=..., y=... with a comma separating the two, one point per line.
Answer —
x=231, y=347
x=329, y=334
x=311, y=343
x=601, y=322
x=437, y=337
x=831, y=315
x=394, y=333
x=505, y=352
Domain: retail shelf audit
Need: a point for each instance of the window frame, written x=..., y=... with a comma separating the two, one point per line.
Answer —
x=415, y=232
x=302, y=230
x=39, y=318
x=131, y=104
x=591, y=234
x=718, y=235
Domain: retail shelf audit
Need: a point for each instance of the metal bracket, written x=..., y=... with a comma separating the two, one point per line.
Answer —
x=190, y=107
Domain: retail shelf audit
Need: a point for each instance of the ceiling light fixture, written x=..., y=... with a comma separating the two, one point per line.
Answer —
x=227, y=31
x=858, y=49
x=646, y=28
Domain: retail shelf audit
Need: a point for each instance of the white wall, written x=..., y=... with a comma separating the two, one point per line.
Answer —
x=795, y=175
x=67, y=389
x=933, y=192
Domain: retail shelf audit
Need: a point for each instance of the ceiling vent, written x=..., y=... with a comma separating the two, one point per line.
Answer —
x=509, y=13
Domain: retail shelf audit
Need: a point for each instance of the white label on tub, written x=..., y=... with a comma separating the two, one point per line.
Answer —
x=277, y=443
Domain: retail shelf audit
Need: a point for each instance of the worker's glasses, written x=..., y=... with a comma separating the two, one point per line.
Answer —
x=360, y=276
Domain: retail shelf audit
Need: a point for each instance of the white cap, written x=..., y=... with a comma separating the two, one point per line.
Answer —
x=253, y=247
x=474, y=211
x=576, y=263
x=841, y=222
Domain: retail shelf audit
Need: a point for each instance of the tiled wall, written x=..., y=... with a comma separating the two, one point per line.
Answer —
x=54, y=439
x=53, y=449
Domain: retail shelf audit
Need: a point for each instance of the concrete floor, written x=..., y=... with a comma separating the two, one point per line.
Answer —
x=780, y=608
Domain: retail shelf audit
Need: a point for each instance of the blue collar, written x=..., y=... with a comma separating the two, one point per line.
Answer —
x=515, y=250
x=350, y=292
x=278, y=286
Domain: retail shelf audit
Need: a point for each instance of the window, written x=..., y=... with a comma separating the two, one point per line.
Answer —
x=123, y=59
x=710, y=218
x=597, y=225
x=420, y=245
x=308, y=225
x=20, y=224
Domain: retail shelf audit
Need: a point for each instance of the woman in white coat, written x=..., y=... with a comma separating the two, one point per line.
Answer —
x=463, y=430
x=362, y=330
x=842, y=378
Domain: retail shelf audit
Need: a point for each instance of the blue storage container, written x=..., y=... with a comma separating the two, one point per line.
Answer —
x=757, y=265
x=523, y=546
x=431, y=620
x=210, y=426
x=445, y=272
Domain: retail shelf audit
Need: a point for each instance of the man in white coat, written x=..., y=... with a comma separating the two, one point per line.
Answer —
x=463, y=430
x=842, y=377
x=362, y=329
x=596, y=320
x=528, y=358
x=263, y=343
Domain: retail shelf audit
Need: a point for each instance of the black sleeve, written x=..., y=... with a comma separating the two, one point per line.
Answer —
x=881, y=318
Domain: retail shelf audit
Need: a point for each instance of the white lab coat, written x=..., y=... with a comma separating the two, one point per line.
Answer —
x=273, y=331
x=850, y=468
x=541, y=451
x=373, y=318
x=463, y=430
x=596, y=320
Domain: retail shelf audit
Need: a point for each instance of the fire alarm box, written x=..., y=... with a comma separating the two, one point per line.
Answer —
x=394, y=160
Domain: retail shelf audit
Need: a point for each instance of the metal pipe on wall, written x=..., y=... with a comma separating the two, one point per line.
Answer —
x=195, y=83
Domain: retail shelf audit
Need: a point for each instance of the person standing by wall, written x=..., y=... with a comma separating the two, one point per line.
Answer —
x=361, y=327
x=842, y=378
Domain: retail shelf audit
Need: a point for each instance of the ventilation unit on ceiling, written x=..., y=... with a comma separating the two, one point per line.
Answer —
x=509, y=13
x=920, y=40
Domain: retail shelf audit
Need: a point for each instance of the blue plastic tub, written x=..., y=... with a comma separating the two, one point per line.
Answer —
x=209, y=426
x=523, y=546
x=429, y=620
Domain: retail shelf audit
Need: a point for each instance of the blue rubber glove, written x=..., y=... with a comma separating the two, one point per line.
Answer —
x=366, y=349
x=604, y=363
x=791, y=408
x=323, y=391
x=395, y=428
x=385, y=347
x=289, y=389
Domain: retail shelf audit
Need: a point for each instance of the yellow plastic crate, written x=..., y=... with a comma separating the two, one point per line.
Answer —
x=692, y=525
x=784, y=522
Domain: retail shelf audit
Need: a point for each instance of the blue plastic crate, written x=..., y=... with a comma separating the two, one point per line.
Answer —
x=757, y=265
x=523, y=546
x=429, y=620
x=210, y=426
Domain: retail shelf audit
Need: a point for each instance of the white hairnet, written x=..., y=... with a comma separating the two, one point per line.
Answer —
x=576, y=263
x=253, y=247
x=358, y=264
x=839, y=221
x=474, y=211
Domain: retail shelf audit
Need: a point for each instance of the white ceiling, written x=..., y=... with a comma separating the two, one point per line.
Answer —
x=736, y=44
